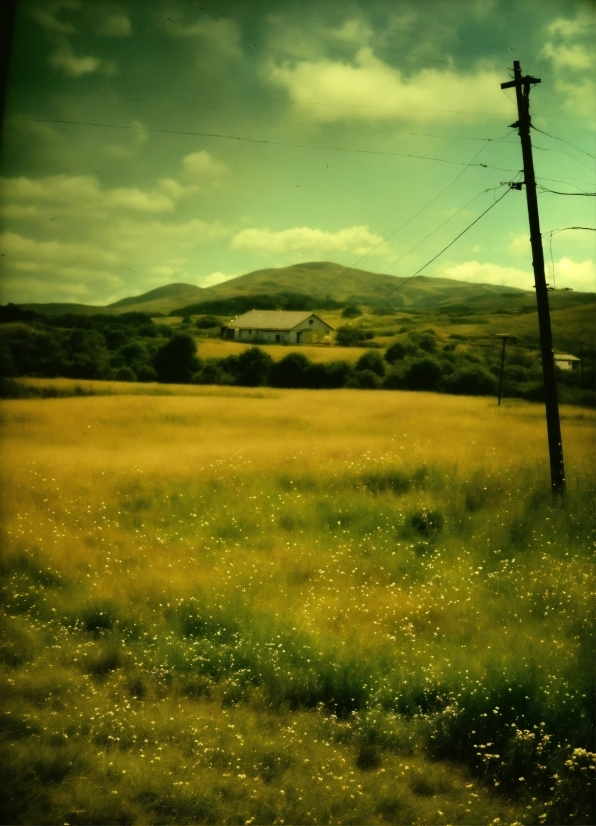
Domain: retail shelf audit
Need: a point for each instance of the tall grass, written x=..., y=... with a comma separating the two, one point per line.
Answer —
x=294, y=609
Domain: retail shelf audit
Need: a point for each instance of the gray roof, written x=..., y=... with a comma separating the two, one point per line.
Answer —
x=565, y=357
x=272, y=320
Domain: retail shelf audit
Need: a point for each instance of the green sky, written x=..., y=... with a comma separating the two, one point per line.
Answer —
x=326, y=106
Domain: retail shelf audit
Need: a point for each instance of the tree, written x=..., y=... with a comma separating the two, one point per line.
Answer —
x=423, y=374
x=291, y=371
x=176, y=361
x=253, y=367
x=372, y=360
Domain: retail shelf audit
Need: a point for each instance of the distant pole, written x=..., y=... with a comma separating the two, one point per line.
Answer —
x=522, y=86
x=504, y=337
x=581, y=364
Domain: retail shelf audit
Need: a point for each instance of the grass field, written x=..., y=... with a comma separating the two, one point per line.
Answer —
x=266, y=606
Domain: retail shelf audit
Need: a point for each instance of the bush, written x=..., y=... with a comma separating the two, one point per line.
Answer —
x=398, y=351
x=364, y=380
x=423, y=374
x=176, y=361
x=291, y=371
x=253, y=367
x=207, y=322
x=470, y=381
x=351, y=311
x=371, y=361
x=348, y=336
x=124, y=373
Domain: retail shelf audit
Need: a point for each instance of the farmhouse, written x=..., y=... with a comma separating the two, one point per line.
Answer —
x=565, y=361
x=278, y=326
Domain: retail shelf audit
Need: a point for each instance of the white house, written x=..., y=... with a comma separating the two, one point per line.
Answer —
x=277, y=326
x=565, y=361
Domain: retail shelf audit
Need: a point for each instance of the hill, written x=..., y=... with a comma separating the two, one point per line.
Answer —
x=161, y=300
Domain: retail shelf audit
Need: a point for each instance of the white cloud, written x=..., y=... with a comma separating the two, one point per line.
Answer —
x=216, y=278
x=65, y=59
x=519, y=245
x=77, y=194
x=74, y=235
x=356, y=240
x=222, y=35
x=477, y=273
x=115, y=25
x=203, y=165
x=574, y=57
x=576, y=275
x=371, y=90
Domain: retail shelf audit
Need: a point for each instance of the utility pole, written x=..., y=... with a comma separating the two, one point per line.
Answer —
x=503, y=336
x=522, y=86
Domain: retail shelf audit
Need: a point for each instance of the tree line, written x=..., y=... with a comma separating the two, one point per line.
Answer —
x=131, y=347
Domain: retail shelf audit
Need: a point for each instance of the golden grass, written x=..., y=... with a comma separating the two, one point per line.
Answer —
x=248, y=507
x=217, y=348
x=305, y=428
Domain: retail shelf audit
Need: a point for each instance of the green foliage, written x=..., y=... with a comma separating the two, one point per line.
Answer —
x=372, y=360
x=237, y=305
x=176, y=361
x=348, y=336
x=207, y=322
x=351, y=311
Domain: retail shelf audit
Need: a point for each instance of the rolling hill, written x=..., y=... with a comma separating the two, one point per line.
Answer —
x=323, y=283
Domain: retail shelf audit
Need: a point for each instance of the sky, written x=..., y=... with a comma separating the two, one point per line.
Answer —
x=147, y=142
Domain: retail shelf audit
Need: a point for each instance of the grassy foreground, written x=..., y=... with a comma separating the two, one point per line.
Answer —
x=267, y=606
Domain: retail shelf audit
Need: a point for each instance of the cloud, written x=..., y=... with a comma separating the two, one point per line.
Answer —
x=216, y=278
x=577, y=275
x=203, y=165
x=115, y=25
x=75, y=235
x=519, y=245
x=74, y=66
x=46, y=16
x=369, y=89
x=477, y=273
x=356, y=240
x=80, y=194
x=222, y=35
x=574, y=57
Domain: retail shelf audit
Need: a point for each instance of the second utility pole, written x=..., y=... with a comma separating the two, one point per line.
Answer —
x=555, y=447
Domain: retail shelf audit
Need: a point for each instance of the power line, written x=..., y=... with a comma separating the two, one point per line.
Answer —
x=577, y=194
x=560, y=181
x=411, y=218
x=563, y=141
x=562, y=152
x=450, y=244
x=436, y=229
x=255, y=140
x=154, y=101
x=564, y=229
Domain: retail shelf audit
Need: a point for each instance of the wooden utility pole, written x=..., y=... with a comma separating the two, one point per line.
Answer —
x=522, y=86
x=503, y=336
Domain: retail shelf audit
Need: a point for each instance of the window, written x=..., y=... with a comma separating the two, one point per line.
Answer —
x=278, y=338
x=311, y=321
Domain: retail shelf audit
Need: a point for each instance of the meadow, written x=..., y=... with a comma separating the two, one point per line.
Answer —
x=250, y=605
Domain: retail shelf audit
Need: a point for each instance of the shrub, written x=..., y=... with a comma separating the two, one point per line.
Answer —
x=176, y=361
x=349, y=336
x=351, y=311
x=423, y=374
x=364, y=380
x=253, y=367
x=371, y=361
x=291, y=371
x=471, y=381
x=398, y=351
x=427, y=522
x=125, y=373
x=207, y=322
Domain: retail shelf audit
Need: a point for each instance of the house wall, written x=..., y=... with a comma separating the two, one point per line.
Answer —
x=269, y=336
